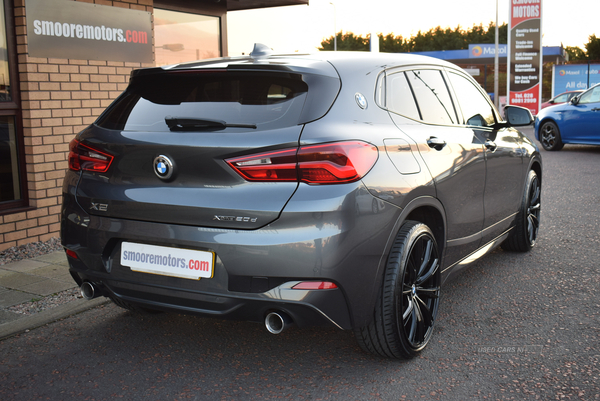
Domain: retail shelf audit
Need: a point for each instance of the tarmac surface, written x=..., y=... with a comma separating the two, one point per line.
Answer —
x=43, y=281
x=513, y=326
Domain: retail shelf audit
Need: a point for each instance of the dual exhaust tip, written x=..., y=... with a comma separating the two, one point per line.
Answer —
x=89, y=290
x=276, y=322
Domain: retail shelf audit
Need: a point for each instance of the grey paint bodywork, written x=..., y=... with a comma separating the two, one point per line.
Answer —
x=301, y=231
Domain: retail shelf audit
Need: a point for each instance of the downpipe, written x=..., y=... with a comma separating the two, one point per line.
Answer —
x=276, y=322
x=90, y=290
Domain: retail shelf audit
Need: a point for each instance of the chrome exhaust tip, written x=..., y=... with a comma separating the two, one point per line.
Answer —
x=276, y=322
x=88, y=290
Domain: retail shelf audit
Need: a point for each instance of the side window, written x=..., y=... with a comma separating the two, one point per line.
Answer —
x=562, y=98
x=400, y=98
x=476, y=109
x=433, y=98
x=591, y=96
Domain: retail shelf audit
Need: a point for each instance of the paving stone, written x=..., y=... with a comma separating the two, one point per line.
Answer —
x=19, y=281
x=4, y=273
x=48, y=287
x=6, y=316
x=11, y=297
x=58, y=257
x=65, y=278
x=24, y=265
x=50, y=271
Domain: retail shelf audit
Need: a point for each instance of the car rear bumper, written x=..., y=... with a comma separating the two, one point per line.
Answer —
x=254, y=270
x=304, y=307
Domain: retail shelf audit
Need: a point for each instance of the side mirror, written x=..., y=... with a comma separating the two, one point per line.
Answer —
x=518, y=116
x=575, y=100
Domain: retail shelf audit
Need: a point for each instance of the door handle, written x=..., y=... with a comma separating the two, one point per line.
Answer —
x=490, y=145
x=596, y=109
x=436, y=143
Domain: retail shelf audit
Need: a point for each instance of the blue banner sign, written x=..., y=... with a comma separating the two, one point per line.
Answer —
x=486, y=51
x=574, y=76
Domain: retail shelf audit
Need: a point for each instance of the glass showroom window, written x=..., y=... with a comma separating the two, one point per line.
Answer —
x=181, y=37
x=11, y=180
x=4, y=73
x=9, y=167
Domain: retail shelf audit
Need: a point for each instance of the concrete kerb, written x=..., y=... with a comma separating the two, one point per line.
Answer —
x=38, y=279
x=46, y=316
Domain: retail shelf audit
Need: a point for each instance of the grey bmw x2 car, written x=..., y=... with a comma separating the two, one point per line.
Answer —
x=334, y=189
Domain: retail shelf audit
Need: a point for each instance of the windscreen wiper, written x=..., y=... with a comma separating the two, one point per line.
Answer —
x=190, y=123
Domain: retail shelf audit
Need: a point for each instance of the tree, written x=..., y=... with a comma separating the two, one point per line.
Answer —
x=346, y=42
x=393, y=44
x=593, y=48
x=434, y=39
x=575, y=53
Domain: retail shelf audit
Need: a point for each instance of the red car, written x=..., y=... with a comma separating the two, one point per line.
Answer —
x=562, y=98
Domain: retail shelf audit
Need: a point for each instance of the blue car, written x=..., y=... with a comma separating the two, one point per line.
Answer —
x=577, y=121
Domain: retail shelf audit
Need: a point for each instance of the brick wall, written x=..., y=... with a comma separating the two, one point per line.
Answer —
x=59, y=98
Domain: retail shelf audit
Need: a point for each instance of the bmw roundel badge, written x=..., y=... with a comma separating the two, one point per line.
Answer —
x=163, y=167
x=361, y=100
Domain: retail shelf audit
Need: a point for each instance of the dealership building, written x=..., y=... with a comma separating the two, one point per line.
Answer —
x=62, y=63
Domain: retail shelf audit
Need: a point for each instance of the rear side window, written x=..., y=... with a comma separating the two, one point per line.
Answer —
x=402, y=99
x=420, y=95
x=265, y=100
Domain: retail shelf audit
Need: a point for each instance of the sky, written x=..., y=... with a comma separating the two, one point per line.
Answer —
x=302, y=28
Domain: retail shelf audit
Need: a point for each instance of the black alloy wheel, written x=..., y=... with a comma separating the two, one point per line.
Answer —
x=550, y=136
x=524, y=235
x=533, y=210
x=407, y=308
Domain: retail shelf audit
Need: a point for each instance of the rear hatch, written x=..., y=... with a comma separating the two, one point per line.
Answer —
x=171, y=131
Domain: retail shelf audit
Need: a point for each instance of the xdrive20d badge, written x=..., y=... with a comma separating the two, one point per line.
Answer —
x=333, y=189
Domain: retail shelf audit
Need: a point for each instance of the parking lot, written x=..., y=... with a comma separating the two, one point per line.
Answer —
x=512, y=326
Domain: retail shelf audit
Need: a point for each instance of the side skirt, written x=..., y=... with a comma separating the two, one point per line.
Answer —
x=487, y=248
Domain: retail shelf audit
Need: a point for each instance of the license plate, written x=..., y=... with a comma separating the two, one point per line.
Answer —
x=166, y=261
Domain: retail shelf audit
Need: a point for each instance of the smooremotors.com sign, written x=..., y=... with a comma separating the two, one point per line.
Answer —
x=76, y=30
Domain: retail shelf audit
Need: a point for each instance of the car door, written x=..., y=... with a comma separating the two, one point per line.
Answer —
x=503, y=155
x=420, y=105
x=581, y=121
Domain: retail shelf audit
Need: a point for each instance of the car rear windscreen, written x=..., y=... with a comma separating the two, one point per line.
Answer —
x=261, y=100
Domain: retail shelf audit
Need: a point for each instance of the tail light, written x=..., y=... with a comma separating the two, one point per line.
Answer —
x=85, y=157
x=331, y=163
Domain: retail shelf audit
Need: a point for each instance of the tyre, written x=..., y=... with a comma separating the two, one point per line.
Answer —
x=524, y=235
x=550, y=136
x=407, y=307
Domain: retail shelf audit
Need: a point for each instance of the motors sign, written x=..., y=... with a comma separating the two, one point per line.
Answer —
x=77, y=30
x=525, y=54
